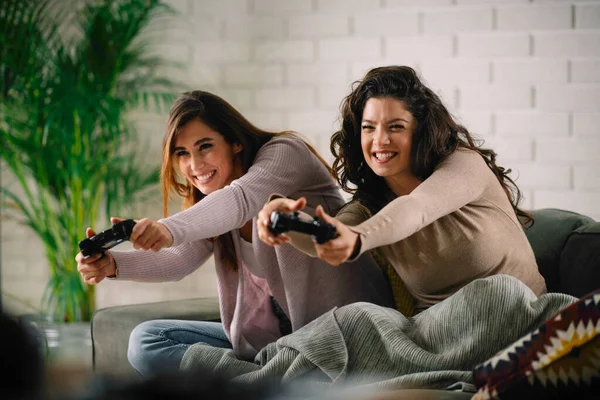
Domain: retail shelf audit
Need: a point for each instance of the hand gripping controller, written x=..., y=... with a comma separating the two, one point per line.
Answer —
x=317, y=228
x=103, y=241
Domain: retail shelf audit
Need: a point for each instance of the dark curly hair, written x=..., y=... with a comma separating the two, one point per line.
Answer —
x=437, y=135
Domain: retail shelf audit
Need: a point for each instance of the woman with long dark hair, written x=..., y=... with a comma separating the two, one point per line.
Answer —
x=438, y=205
x=225, y=169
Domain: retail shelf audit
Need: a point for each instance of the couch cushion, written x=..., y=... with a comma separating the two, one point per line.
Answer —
x=548, y=236
x=580, y=261
x=111, y=327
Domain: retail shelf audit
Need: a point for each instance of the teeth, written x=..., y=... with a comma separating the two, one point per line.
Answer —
x=204, y=177
x=383, y=156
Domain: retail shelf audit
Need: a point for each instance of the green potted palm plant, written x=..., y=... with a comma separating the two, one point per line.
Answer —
x=70, y=75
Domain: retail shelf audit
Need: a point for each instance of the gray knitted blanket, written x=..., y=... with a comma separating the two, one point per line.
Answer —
x=379, y=347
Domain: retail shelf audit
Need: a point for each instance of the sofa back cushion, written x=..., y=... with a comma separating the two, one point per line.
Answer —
x=548, y=237
x=580, y=261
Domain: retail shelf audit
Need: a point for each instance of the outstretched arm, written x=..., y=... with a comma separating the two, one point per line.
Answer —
x=351, y=214
x=458, y=180
x=283, y=165
x=170, y=264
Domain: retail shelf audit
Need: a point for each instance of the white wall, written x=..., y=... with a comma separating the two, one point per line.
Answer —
x=523, y=75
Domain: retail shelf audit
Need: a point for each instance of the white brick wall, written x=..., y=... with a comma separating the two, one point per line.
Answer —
x=584, y=43
x=420, y=3
x=447, y=20
x=330, y=97
x=457, y=70
x=316, y=26
x=578, y=151
x=586, y=124
x=531, y=123
x=493, y=45
x=256, y=27
x=314, y=122
x=523, y=75
x=284, y=50
x=386, y=24
x=253, y=75
x=585, y=177
x=478, y=122
x=286, y=8
x=286, y=98
x=220, y=52
x=528, y=17
x=219, y=8
x=587, y=16
x=585, y=70
x=511, y=150
x=489, y=97
x=530, y=70
x=414, y=48
x=329, y=7
x=574, y=97
x=542, y=176
x=349, y=49
x=332, y=73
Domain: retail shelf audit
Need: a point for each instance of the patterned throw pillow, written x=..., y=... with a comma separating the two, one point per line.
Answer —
x=559, y=360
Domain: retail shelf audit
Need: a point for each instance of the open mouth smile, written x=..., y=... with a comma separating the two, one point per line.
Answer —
x=382, y=157
x=204, y=178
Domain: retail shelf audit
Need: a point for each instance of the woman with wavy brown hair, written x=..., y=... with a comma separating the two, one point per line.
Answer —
x=224, y=168
x=439, y=207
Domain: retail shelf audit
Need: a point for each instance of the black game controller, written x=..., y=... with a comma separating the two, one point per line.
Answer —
x=317, y=228
x=103, y=241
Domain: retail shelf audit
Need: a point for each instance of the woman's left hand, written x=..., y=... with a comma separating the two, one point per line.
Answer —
x=338, y=250
x=148, y=235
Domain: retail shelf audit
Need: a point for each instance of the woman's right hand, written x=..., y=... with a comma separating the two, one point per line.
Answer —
x=97, y=267
x=264, y=219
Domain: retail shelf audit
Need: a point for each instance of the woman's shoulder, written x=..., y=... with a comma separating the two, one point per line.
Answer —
x=287, y=140
x=463, y=158
x=354, y=213
x=464, y=153
x=288, y=148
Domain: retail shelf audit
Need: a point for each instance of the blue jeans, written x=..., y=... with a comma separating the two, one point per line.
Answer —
x=158, y=346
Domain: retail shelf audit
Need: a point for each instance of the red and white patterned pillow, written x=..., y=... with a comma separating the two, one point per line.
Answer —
x=559, y=360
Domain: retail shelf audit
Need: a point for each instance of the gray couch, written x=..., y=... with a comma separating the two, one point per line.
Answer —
x=566, y=245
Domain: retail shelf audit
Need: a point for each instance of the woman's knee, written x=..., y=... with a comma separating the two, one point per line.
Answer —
x=142, y=336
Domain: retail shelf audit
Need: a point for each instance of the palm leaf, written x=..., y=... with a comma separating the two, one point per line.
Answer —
x=65, y=94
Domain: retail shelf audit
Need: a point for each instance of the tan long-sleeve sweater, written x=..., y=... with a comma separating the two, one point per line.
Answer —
x=456, y=226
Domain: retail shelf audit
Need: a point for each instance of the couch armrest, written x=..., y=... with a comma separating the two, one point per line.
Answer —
x=548, y=236
x=111, y=328
x=580, y=261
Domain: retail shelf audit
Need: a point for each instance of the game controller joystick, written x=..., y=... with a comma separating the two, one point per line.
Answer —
x=107, y=239
x=317, y=228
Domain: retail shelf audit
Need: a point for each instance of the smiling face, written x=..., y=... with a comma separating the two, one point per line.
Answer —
x=205, y=158
x=387, y=130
